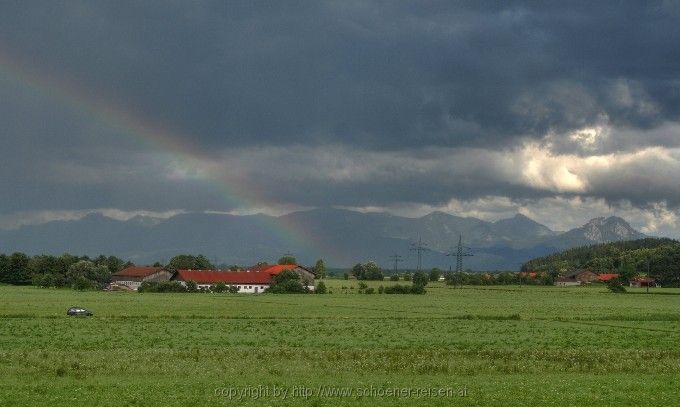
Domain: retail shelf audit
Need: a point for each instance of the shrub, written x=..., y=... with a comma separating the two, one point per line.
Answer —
x=161, y=287
x=381, y=289
x=397, y=289
x=191, y=286
x=363, y=286
x=219, y=288
x=616, y=287
x=287, y=282
x=405, y=289
x=82, y=283
x=420, y=278
x=394, y=277
x=320, y=288
x=370, y=290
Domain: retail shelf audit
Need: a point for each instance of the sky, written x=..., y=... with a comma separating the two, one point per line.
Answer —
x=561, y=111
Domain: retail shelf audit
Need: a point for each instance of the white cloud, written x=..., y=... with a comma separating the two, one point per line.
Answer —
x=559, y=213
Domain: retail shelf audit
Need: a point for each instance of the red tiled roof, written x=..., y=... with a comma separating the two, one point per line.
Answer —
x=227, y=277
x=135, y=271
x=642, y=279
x=607, y=276
x=277, y=268
x=259, y=267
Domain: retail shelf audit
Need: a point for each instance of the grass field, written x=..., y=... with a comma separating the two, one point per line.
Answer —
x=487, y=346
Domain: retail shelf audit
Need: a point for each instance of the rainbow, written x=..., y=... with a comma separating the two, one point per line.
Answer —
x=237, y=193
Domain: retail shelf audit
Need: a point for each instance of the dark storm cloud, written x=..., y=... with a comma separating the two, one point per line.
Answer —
x=386, y=83
x=377, y=74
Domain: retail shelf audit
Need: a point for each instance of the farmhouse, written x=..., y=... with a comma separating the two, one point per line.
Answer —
x=246, y=282
x=566, y=282
x=642, y=282
x=528, y=274
x=132, y=277
x=607, y=277
x=576, y=277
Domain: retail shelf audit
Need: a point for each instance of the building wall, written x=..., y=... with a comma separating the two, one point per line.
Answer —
x=306, y=277
x=135, y=282
x=567, y=283
x=587, y=276
x=162, y=275
x=129, y=283
x=242, y=288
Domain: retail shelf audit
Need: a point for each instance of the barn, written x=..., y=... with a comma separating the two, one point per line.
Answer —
x=566, y=281
x=246, y=282
x=132, y=277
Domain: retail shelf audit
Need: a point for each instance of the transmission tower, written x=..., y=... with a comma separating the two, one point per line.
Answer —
x=460, y=253
x=419, y=248
x=396, y=259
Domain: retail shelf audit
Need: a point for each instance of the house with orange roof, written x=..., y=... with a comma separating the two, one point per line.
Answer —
x=607, y=277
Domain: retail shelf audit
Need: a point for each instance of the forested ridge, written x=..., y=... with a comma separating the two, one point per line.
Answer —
x=657, y=257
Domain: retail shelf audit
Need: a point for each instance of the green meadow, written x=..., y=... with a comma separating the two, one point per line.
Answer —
x=485, y=346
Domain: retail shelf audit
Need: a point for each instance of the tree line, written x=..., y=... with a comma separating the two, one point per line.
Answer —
x=79, y=272
x=84, y=272
x=658, y=258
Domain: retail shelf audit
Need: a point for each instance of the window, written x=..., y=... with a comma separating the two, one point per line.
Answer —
x=239, y=287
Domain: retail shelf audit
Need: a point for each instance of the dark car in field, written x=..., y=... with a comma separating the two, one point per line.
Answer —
x=73, y=311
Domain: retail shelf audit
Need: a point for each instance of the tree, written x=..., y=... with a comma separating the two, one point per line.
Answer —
x=4, y=268
x=435, y=273
x=287, y=282
x=320, y=268
x=368, y=271
x=187, y=261
x=86, y=274
x=192, y=287
x=17, y=271
x=358, y=271
x=420, y=279
x=321, y=288
x=219, y=287
x=114, y=264
x=287, y=260
x=616, y=287
x=372, y=271
x=626, y=272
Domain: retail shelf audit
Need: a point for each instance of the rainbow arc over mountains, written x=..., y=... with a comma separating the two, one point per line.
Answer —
x=236, y=192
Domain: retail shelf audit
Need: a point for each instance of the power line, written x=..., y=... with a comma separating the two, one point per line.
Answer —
x=396, y=258
x=419, y=248
x=460, y=253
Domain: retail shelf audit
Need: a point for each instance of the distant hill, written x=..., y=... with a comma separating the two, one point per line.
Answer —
x=341, y=237
x=597, y=230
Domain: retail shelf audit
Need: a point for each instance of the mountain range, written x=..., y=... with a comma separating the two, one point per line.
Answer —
x=340, y=237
